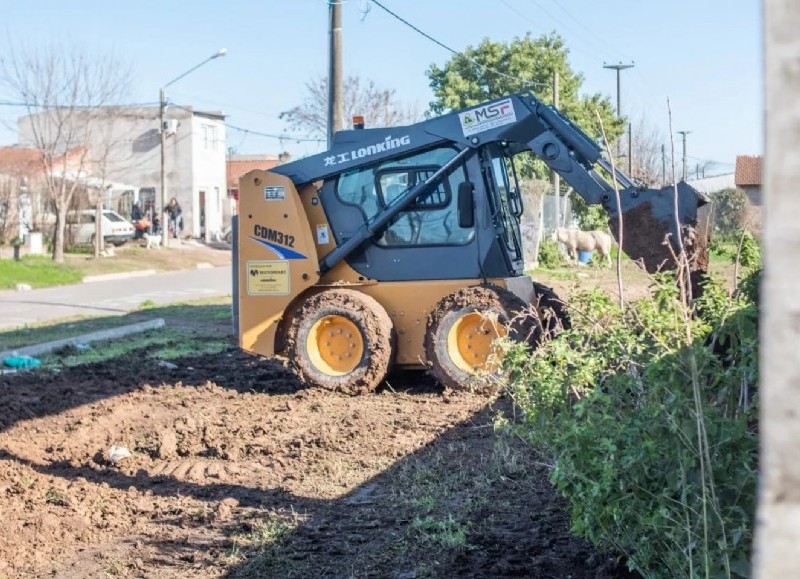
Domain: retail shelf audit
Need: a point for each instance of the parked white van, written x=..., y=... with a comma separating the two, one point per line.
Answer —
x=81, y=227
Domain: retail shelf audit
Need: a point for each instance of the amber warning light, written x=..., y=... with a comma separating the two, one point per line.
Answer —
x=358, y=122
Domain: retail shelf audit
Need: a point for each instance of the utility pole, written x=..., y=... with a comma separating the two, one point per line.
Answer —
x=335, y=105
x=162, y=102
x=663, y=165
x=620, y=67
x=683, y=134
x=556, y=177
x=777, y=533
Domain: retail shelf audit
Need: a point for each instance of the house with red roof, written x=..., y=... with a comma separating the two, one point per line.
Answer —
x=23, y=191
x=239, y=165
x=748, y=177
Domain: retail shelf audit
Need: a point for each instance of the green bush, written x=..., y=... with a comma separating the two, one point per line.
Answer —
x=728, y=211
x=750, y=252
x=649, y=418
x=590, y=217
x=549, y=255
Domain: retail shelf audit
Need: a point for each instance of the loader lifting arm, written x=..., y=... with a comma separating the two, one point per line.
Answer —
x=658, y=223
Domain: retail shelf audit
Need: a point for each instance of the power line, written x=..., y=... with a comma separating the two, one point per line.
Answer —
x=455, y=52
x=185, y=108
x=602, y=43
x=73, y=105
x=279, y=137
x=711, y=161
x=256, y=133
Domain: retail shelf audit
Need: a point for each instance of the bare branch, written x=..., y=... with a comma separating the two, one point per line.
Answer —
x=65, y=91
x=379, y=107
x=619, y=213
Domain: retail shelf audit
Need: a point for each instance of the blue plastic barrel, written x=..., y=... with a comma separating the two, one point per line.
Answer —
x=585, y=256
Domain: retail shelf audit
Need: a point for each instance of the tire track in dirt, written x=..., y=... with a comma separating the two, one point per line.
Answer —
x=229, y=459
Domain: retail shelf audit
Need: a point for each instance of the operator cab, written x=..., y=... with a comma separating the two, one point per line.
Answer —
x=434, y=228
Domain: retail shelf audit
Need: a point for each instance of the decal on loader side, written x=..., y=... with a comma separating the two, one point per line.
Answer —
x=487, y=117
x=280, y=251
x=268, y=278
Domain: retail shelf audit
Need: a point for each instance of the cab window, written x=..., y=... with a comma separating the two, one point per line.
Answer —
x=430, y=220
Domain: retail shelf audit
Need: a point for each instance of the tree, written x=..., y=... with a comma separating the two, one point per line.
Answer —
x=728, y=211
x=63, y=89
x=647, y=163
x=495, y=69
x=379, y=107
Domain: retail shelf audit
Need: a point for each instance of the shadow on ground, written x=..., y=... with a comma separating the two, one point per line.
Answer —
x=239, y=471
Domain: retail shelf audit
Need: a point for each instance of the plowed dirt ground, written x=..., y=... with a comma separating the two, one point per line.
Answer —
x=237, y=471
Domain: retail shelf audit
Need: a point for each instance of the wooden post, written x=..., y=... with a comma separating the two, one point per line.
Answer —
x=778, y=521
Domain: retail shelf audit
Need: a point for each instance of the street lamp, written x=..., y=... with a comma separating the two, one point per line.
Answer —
x=163, y=106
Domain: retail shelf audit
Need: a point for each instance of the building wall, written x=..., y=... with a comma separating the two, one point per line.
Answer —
x=209, y=194
x=753, y=193
x=125, y=145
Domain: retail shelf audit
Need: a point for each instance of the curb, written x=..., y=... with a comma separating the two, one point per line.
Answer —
x=120, y=275
x=85, y=338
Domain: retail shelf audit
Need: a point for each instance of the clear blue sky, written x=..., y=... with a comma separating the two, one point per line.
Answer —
x=706, y=55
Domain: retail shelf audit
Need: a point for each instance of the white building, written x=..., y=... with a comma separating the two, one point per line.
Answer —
x=125, y=147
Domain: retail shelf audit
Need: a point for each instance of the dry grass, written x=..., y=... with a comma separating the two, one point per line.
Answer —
x=133, y=257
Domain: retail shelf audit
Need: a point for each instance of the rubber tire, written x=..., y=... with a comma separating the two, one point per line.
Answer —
x=486, y=298
x=555, y=318
x=377, y=333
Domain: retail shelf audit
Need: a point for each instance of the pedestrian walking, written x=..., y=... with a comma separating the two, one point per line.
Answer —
x=175, y=217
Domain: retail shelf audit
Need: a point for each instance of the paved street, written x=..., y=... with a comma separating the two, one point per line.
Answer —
x=113, y=297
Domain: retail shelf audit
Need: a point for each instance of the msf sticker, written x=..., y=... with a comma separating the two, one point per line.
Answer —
x=268, y=278
x=487, y=117
x=277, y=241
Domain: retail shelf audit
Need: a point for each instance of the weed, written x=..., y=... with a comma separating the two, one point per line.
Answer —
x=269, y=531
x=265, y=537
x=648, y=417
x=56, y=497
x=448, y=532
x=147, y=304
x=426, y=502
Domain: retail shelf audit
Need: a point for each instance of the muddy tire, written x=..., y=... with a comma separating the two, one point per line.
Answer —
x=461, y=329
x=340, y=340
x=551, y=311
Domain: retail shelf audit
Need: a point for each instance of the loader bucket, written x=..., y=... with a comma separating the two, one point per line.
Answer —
x=653, y=235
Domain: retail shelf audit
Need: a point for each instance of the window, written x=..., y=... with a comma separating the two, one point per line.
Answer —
x=111, y=216
x=209, y=137
x=505, y=198
x=431, y=219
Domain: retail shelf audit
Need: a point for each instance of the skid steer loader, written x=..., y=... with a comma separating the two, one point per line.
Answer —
x=401, y=246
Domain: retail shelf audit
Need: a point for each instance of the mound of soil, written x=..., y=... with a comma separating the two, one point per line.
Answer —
x=236, y=470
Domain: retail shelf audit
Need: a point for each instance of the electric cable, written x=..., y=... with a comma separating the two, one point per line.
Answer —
x=455, y=52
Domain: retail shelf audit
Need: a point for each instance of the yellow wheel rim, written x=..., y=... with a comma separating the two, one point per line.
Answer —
x=469, y=342
x=335, y=345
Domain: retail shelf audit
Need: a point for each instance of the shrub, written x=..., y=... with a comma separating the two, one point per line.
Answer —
x=750, y=250
x=590, y=217
x=649, y=418
x=549, y=255
x=728, y=212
